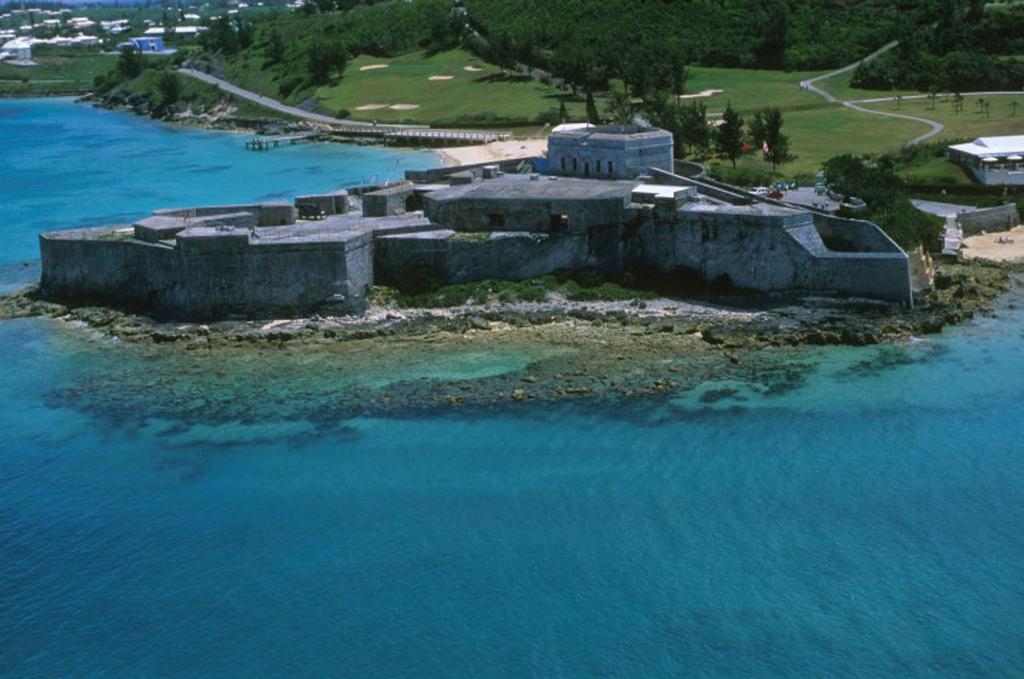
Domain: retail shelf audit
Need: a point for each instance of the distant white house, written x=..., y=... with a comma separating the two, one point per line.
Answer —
x=19, y=49
x=177, y=30
x=994, y=161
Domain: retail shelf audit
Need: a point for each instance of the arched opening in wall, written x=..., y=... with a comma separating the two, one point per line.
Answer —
x=586, y=169
x=597, y=169
x=611, y=170
x=559, y=223
x=563, y=163
x=575, y=164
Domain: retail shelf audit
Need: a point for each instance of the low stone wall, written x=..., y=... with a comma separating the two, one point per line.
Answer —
x=276, y=213
x=388, y=201
x=441, y=174
x=769, y=253
x=852, y=235
x=208, y=277
x=1002, y=218
x=448, y=257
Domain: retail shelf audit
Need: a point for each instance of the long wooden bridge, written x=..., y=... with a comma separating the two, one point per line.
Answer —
x=396, y=134
x=267, y=143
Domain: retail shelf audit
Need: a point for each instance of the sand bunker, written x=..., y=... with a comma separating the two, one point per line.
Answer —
x=403, y=107
x=371, y=107
x=472, y=69
x=702, y=93
x=373, y=67
x=440, y=77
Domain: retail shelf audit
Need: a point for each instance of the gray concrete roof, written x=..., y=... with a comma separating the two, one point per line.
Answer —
x=614, y=132
x=764, y=209
x=339, y=228
x=521, y=187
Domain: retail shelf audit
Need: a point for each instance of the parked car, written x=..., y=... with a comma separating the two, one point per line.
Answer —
x=760, y=190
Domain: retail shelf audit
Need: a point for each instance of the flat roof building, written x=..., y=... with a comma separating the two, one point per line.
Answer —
x=609, y=151
x=994, y=161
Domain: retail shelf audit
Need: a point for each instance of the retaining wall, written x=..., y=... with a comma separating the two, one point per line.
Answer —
x=206, y=277
x=1002, y=218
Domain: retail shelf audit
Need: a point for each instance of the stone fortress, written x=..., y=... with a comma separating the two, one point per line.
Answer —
x=606, y=199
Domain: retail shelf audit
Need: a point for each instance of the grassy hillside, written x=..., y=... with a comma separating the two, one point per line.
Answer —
x=63, y=72
x=452, y=87
x=749, y=89
x=970, y=122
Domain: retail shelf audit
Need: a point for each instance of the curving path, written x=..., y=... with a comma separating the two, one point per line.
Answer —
x=810, y=85
x=936, y=127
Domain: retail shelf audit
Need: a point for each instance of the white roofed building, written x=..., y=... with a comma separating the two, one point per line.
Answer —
x=994, y=161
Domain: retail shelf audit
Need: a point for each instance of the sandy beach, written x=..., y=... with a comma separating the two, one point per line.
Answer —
x=1001, y=246
x=499, y=150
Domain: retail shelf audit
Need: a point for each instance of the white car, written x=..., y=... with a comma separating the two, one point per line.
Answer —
x=760, y=190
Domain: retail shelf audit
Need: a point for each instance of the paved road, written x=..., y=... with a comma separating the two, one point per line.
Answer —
x=855, y=104
x=810, y=85
x=267, y=102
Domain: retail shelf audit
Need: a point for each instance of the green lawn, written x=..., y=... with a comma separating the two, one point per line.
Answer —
x=936, y=170
x=819, y=134
x=55, y=74
x=749, y=89
x=485, y=96
x=969, y=123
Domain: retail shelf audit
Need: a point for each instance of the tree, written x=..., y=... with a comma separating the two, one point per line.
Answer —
x=220, y=37
x=766, y=130
x=933, y=94
x=693, y=127
x=563, y=114
x=620, y=108
x=771, y=52
x=592, y=117
x=275, y=48
x=677, y=68
x=130, y=64
x=324, y=57
x=729, y=135
x=169, y=88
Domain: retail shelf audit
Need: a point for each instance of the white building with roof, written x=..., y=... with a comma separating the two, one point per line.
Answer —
x=994, y=161
x=19, y=49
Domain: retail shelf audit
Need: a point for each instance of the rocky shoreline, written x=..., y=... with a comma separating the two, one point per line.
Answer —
x=747, y=321
x=220, y=117
x=583, y=351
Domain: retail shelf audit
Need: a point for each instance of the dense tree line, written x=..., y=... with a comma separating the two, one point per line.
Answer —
x=626, y=36
x=960, y=51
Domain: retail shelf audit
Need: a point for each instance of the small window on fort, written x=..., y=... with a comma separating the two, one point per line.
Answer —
x=559, y=223
x=575, y=164
x=563, y=164
x=598, y=170
x=495, y=220
x=586, y=169
x=610, y=170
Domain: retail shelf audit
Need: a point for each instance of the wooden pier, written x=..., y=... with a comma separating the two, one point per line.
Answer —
x=411, y=135
x=267, y=143
x=398, y=135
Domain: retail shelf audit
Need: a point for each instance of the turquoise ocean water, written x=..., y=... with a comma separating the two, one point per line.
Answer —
x=198, y=516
